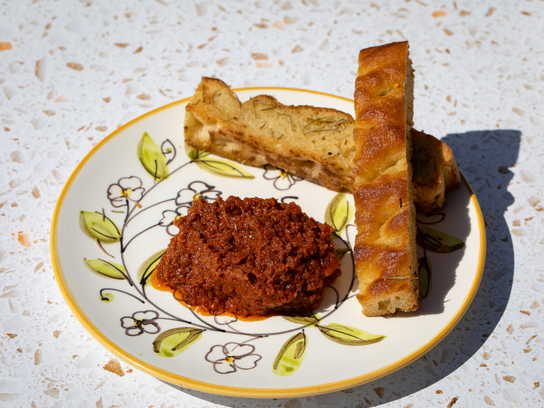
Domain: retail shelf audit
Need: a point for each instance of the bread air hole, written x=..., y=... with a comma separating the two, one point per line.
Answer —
x=382, y=305
x=306, y=165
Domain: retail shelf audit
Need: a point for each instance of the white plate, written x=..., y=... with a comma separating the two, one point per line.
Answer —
x=244, y=366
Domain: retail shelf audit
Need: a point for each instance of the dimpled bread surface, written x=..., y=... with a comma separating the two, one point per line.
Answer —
x=385, y=248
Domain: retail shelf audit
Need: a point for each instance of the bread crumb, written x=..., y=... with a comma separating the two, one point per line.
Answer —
x=114, y=366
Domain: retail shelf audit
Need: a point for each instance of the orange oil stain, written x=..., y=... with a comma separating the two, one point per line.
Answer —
x=159, y=286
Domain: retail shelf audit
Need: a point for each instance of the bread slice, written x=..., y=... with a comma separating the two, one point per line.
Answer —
x=435, y=172
x=313, y=143
x=385, y=245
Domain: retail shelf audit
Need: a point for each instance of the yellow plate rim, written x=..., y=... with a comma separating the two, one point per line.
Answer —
x=242, y=391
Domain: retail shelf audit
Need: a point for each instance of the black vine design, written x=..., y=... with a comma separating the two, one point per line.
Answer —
x=127, y=196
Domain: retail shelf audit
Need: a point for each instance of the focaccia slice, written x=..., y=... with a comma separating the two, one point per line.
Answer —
x=385, y=245
x=311, y=142
x=435, y=172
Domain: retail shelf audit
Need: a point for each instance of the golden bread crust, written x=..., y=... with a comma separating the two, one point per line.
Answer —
x=218, y=123
x=304, y=140
x=435, y=172
x=385, y=249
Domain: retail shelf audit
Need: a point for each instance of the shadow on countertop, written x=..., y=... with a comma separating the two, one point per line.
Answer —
x=484, y=157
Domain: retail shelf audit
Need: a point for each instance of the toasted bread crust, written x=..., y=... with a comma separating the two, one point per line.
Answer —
x=262, y=130
x=209, y=126
x=385, y=248
x=435, y=172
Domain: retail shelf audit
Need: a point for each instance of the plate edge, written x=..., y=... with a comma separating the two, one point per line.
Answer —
x=248, y=392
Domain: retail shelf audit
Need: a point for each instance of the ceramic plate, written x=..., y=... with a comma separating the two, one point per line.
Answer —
x=114, y=217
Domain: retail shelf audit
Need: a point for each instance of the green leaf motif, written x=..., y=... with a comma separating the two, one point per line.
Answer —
x=437, y=241
x=339, y=213
x=148, y=267
x=223, y=168
x=175, y=341
x=308, y=320
x=106, y=297
x=109, y=269
x=291, y=355
x=99, y=227
x=152, y=158
x=218, y=167
x=425, y=277
x=197, y=154
x=349, y=336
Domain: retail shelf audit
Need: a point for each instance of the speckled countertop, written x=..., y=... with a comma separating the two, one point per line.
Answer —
x=71, y=72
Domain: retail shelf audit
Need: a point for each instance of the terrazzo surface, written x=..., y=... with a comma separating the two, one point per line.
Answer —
x=71, y=72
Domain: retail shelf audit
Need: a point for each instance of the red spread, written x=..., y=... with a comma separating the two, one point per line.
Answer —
x=249, y=257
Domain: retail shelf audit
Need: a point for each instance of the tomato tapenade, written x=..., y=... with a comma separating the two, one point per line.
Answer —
x=249, y=257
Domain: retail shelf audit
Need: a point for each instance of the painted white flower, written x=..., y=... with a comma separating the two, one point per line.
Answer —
x=169, y=216
x=282, y=179
x=232, y=357
x=141, y=322
x=127, y=188
x=196, y=190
